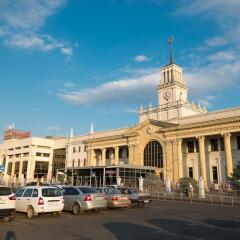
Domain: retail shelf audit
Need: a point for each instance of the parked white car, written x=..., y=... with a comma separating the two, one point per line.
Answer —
x=7, y=203
x=33, y=200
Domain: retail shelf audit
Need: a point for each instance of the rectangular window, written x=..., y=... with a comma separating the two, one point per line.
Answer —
x=38, y=154
x=215, y=174
x=51, y=192
x=24, y=168
x=197, y=146
x=238, y=142
x=28, y=192
x=41, y=169
x=16, y=169
x=214, y=144
x=107, y=154
x=74, y=149
x=120, y=153
x=73, y=163
x=222, y=144
x=79, y=162
x=79, y=148
x=85, y=148
x=190, y=146
x=46, y=154
x=190, y=172
x=9, y=169
x=35, y=193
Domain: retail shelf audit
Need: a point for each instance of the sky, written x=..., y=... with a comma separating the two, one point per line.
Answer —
x=70, y=63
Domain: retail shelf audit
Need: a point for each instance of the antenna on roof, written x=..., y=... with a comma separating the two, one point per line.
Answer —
x=170, y=41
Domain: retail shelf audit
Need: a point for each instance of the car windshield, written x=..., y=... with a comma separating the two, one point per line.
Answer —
x=5, y=191
x=87, y=190
x=133, y=190
x=51, y=192
x=111, y=191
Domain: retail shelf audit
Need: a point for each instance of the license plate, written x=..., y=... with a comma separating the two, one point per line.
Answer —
x=98, y=198
x=146, y=201
x=123, y=198
x=55, y=203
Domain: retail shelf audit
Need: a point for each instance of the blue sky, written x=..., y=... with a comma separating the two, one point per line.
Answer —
x=67, y=63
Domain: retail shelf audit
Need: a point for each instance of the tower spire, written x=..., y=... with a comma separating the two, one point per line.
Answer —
x=170, y=41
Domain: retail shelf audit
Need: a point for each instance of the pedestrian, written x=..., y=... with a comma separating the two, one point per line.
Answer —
x=191, y=190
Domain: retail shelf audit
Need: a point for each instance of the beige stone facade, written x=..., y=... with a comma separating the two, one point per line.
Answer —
x=175, y=139
x=193, y=142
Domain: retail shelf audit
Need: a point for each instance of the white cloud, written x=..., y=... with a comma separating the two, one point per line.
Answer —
x=53, y=128
x=141, y=58
x=34, y=42
x=21, y=22
x=28, y=14
x=225, y=13
x=225, y=56
x=67, y=51
x=130, y=110
x=213, y=78
x=127, y=90
x=204, y=83
x=69, y=84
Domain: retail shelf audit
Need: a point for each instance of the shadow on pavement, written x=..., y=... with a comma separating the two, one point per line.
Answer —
x=224, y=223
x=129, y=231
x=10, y=236
x=197, y=230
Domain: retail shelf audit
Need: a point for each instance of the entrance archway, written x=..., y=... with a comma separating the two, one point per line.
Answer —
x=153, y=154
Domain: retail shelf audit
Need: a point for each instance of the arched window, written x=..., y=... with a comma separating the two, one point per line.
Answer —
x=153, y=154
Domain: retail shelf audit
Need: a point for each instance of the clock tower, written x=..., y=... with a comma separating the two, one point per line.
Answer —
x=172, y=95
x=172, y=88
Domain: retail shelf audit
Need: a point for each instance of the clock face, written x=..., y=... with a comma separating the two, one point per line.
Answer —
x=167, y=95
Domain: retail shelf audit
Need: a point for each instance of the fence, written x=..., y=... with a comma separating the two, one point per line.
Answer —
x=210, y=198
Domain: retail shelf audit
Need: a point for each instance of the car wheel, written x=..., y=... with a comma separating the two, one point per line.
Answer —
x=30, y=212
x=76, y=209
x=7, y=219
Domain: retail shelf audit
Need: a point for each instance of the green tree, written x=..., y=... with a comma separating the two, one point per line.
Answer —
x=235, y=177
x=184, y=183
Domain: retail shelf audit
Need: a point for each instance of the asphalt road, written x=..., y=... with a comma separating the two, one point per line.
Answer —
x=159, y=220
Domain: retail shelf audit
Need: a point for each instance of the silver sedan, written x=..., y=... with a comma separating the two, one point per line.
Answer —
x=114, y=198
x=79, y=199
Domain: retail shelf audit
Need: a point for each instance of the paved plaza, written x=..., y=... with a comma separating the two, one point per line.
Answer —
x=159, y=220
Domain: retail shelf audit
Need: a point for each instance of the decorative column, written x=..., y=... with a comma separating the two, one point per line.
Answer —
x=203, y=173
x=89, y=163
x=13, y=166
x=180, y=159
x=103, y=156
x=228, y=152
x=93, y=158
x=130, y=158
x=169, y=160
x=20, y=168
x=116, y=155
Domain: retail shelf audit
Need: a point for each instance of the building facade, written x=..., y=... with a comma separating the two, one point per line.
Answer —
x=175, y=139
x=30, y=158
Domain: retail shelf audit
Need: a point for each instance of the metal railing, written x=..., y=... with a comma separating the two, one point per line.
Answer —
x=210, y=198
